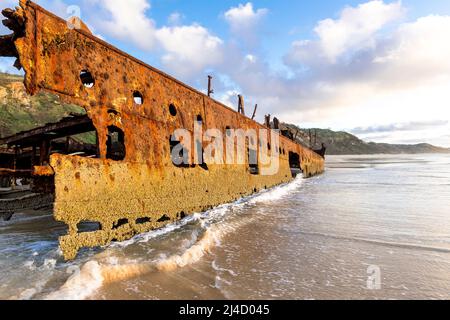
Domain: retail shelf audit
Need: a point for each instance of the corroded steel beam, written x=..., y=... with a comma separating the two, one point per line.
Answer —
x=66, y=127
x=12, y=172
x=7, y=48
x=144, y=190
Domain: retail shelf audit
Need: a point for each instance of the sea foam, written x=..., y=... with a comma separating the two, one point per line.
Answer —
x=94, y=274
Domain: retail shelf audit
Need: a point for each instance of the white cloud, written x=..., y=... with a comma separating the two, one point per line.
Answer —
x=185, y=49
x=375, y=76
x=365, y=68
x=250, y=58
x=355, y=30
x=244, y=16
x=414, y=56
x=229, y=98
x=417, y=51
x=175, y=18
x=127, y=21
x=189, y=49
x=399, y=127
x=244, y=20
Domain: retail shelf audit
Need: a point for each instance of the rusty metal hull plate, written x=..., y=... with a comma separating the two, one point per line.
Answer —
x=145, y=190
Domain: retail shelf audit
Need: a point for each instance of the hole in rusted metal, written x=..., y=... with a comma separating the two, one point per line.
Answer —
x=138, y=98
x=252, y=156
x=199, y=118
x=294, y=164
x=143, y=220
x=115, y=144
x=87, y=79
x=294, y=160
x=88, y=226
x=119, y=223
x=164, y=218
x=172, y=110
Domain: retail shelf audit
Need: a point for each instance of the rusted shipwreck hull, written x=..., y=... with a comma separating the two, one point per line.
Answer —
x=140, y=189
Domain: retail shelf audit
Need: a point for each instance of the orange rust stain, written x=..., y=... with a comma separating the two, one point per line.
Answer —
x=43, y=171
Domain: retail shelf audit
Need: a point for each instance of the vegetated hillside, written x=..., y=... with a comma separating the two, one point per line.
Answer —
x=21, y=112
x=344, y=143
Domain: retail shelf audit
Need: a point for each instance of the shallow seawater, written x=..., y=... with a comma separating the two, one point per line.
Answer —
x=320, y=238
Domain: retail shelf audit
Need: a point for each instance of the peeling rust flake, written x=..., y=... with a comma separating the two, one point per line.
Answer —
x=122, y=176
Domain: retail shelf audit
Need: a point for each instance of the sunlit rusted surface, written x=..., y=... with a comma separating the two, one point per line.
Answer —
x=43, y=171
x=145, y=190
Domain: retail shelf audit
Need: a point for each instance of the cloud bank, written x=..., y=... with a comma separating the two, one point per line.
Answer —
x=370, y=67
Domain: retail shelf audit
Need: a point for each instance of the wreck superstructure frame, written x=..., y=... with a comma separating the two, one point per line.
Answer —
x=143, y=190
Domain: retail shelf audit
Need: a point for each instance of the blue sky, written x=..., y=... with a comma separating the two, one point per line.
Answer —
x=376, y=68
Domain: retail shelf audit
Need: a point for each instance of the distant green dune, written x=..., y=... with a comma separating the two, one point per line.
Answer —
x=344, y=143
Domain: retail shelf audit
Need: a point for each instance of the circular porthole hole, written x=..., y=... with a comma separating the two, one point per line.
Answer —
x=172, y=110
x=87, y=79
x=138, y=98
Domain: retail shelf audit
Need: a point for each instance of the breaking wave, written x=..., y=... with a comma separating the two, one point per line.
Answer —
x=214, y=225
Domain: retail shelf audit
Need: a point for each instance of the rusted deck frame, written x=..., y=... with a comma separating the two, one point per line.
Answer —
x=66, y=127
x=145, y=190
x=7, y=48
x=15, y=172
